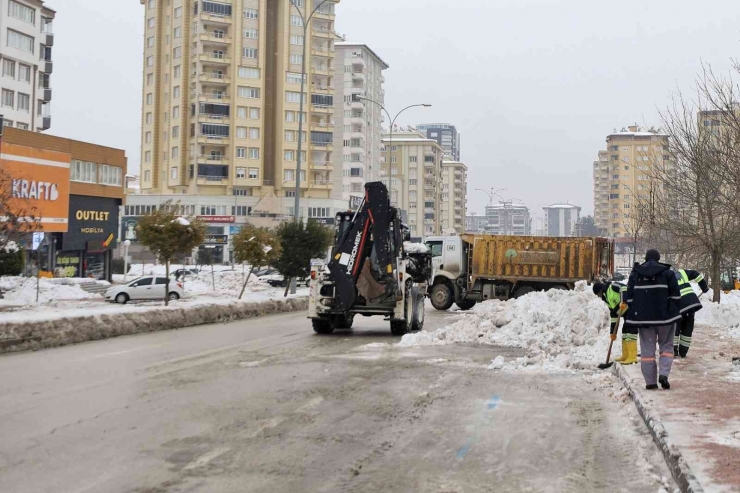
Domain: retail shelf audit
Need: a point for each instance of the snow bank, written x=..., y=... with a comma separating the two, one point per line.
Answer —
x=11, y=247
x=22, y=291
x=726, y=313
x=228, y=283
x=559, y=329
x=415, y=247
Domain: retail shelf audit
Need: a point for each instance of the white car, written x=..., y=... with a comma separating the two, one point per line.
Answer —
x=144, y=288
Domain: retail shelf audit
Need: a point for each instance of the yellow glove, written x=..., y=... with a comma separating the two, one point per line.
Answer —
x=622, y=309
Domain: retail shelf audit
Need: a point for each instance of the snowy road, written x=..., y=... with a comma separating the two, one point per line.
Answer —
x=266, y=405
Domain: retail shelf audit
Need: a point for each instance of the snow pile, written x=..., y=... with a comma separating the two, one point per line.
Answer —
x=559, y=329
x=228, y=283
x=22, y=291
x=181, y=221
x=11, y=247
x=415, y=247
x=726, y=314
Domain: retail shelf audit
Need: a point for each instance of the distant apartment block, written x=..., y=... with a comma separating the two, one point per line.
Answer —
x=508, y=218
x=357, y=136
x=446, y=135
x=454, y=196
x=475, y=223
x=561, y=219
x=25, y=53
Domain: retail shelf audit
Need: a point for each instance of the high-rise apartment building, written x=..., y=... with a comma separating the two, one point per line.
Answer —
x=508, y=218
x=25, y=86
x=622, y=177
x=446, y=135
x=413, y=176
x=561, y=219
x=221, y=95
x=357, y=145
x=454, y=196
x=475, y=223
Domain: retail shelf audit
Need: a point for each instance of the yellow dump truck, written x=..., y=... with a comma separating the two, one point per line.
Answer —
x=474, y=267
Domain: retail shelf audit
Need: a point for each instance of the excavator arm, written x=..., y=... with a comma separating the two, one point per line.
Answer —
x=374, y=230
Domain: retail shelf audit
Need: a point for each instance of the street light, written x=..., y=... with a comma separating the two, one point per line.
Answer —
x=491, y=194
x=392, y=120
x=126, y=244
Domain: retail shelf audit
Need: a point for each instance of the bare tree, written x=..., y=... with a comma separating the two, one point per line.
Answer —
x=17, y=216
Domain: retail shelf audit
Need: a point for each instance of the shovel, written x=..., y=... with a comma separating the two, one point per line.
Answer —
x=612, y=338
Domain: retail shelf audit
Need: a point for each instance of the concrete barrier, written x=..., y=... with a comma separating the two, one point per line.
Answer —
x=23, y=336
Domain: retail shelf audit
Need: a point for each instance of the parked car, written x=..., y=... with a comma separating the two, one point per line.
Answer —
x=179, y=273
x=267, y=271
x=144, y=288
x=278, y=281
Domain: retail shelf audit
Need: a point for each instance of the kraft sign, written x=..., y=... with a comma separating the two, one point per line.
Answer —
x=35, y=190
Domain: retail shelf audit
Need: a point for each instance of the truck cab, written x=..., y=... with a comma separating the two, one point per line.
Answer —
x=449, y=267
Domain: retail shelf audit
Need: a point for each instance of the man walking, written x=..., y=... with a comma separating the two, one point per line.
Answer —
x=653, y=297
x=612, y=293
x=688, y=306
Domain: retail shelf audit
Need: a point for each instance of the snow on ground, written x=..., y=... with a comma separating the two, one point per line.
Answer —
x=159, y=270
x=561, y=330
x=22, y=290
x=226, y=283
x=415, y=247
x=726, y=313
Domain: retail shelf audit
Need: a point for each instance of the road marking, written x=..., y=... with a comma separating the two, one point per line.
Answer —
x=493, y=402
x=206, y=458
x=465, y=449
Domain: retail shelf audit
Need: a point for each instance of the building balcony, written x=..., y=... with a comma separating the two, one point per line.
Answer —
x=48, y=66
x=323, y=13
x=221, y=39
x=49, y=38
x=322, y=184
x=358, y=62
x=214, y=98
x=213, y=139
x=322, y=146
x=214, y=58
x=212, y=180
x=358, y=76
x=322, y=69
x=322, y=51
x=327, y=126
x=322, y=32
x=324, y=165
x=46, y=94
x=216, y=18
x=46, y=123
x=288, y=185
x=212, y=159
x=322, y=89
x=214, y=78
x=458, y=182
x=322, y=108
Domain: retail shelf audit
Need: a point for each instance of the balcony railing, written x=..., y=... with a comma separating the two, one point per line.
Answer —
x=212, y=177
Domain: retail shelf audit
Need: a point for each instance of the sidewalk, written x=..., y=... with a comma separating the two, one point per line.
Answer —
x=701, y=412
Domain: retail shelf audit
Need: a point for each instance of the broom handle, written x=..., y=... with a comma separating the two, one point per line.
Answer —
x=613, y=337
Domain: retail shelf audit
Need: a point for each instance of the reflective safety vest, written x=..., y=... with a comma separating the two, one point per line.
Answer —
x=614, y=298
x=684, y=285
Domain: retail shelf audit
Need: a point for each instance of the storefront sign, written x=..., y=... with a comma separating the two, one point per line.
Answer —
x=67, y=265
x=39, y=185
x=235, y=230
x=91, y=222
x=328, y=221
x=129, y=224
x=217, y=219
x=216, y=240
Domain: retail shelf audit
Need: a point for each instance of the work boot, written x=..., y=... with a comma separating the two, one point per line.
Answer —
x=624, y=352
x=653, y=386
x=675, y=351
x=683, y=351
x=664, y=382
x=631, y=351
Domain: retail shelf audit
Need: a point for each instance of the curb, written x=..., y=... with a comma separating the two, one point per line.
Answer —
x=680, y=469
x=25, y=336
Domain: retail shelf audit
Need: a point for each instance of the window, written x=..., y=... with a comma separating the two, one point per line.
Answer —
x=84, y=171
x=293, y=78
x=8, y=98
x=148, y=156
x=253, y=153
x=178, y=12
x=254, y=113
x=175, y=132
x=243, y=192
x=149, y=79
x=150, y=61
x=110, y=175
x=150, y=22
x=249, y=52
x=148, y=118
x=290, y=116
x=412, y=159
x=251, y=34
x=175, y=94
x=412, y=182
x=151, y=4
x=250, y=13
x=8, y=68
x=289, y=175
x=296, y=59
x=254, y=173
x=175, y=152
x=176, y=112
x=296, y=39
x=248, y=92
x=241, y=132
x=254, y=133
x=22, y=12
x=150, y=42
x=289, y=156
x=173, y=173
x=394, y=159
x=148, y=137
x=176, y=52
x=22, y=126
x=241, y=172
x=290, y=135
x=177, y=33
x=295, y=20
x=20, y=41
x=241, y=152
x=176, y=72
x=292, y=97
x=249, y=73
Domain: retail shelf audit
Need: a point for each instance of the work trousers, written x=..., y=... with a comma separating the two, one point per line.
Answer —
x=684, y=331
x=649, y=336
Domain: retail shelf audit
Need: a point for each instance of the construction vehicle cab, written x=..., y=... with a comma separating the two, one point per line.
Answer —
x=729, y=279
x=371, y=270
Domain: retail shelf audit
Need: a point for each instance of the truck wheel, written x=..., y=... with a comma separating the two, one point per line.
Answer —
x=322, y=326
x=523, y=290
x=465, y=305
x=441, y=297
x=417, y=319
x=343, y=321
x=401, y=327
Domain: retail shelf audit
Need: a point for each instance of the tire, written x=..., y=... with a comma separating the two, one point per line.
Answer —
x=465, y=305
x=343, y=321
x=322, y=326
x=523, y=290
x=441, y=297
x=308, y=283
x=122, y=298
x=402, y=327
x=173, y=296
x=417, y=318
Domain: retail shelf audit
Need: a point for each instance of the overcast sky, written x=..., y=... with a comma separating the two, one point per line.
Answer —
x=533, y=85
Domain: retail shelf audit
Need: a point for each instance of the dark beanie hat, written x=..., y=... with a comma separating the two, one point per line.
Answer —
x=652, y=254
x=598, y=288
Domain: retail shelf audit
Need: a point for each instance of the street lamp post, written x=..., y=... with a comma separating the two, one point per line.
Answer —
x=126, y=244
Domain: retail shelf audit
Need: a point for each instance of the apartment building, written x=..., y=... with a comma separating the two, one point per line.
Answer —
x=221, y=98
x=508, y=218
x=561, y=219
x=446, y=135
x=413, y=175
x=357, y=140
x=475, y=223
x=622, y=177
x=454, y=197
x=25, y=86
